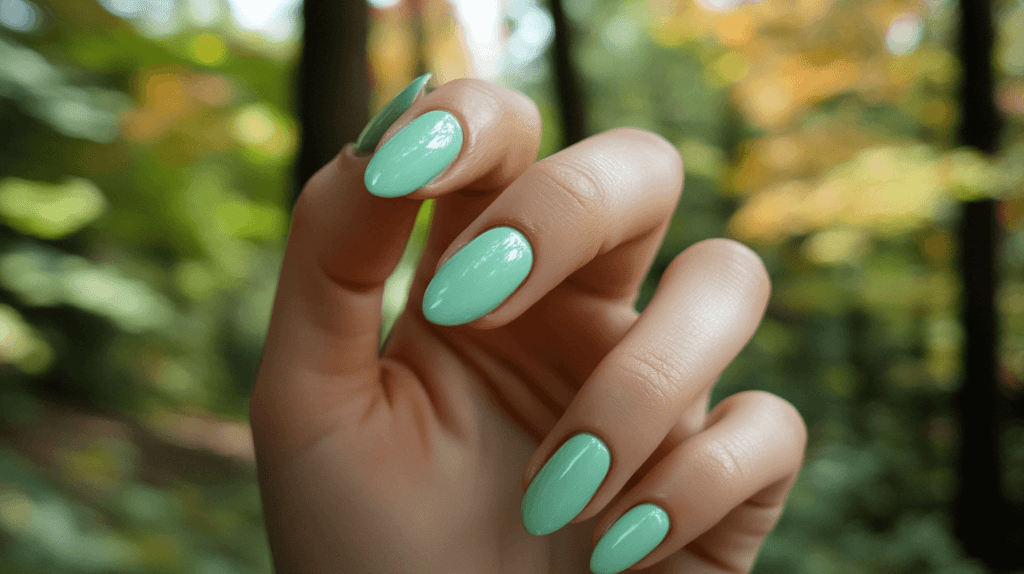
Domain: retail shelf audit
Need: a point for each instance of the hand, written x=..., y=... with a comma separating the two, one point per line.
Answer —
x=417, y=461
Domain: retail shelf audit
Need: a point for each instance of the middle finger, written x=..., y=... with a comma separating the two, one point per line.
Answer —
x=593, y=213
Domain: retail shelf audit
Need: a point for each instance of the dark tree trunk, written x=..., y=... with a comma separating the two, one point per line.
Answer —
x=571, y=105
x=333, y=82
x=982, y=514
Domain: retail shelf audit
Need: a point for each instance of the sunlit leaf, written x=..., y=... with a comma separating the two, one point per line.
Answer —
x=41, y=90
x=105, y=290
x=50, y=211
x=21, y=345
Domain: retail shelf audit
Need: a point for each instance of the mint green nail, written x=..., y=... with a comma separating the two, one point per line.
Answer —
x=416, y=155
x=371, y=134
x=632, y=537
x=565, y=484
x=478, y=278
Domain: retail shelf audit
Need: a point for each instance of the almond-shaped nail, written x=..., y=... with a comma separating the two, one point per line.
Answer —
x=565, y=484
x=415, y=155
x=632, y=537
x=478, y=278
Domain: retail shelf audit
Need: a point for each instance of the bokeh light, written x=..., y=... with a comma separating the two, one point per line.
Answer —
x=19, y=15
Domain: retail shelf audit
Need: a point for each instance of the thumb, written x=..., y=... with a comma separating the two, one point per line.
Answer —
x=344, y=243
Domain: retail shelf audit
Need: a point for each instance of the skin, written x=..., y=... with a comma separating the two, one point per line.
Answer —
x=416, y=460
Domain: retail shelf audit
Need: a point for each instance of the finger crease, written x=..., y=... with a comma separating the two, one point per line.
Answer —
x=584, y=189
x=696, y=549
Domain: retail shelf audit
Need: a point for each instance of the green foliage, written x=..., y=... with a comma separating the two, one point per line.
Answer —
x=156, y=212
x=143, y=202
x=121, y=523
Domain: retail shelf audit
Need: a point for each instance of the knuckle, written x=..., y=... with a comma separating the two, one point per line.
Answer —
x=661, y=377
x=475, y=94
x=738, y=458
x=467, y=85
x=779, y=414
x=576, y=183
x=522, y=104
x=725, y=461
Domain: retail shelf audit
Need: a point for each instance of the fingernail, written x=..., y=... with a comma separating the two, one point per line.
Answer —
x=565, y=484
x=478, y=278
x=630, y=539
x=416, y=155
x=371, y=134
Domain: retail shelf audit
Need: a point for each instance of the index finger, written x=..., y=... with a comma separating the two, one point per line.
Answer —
x=322, y=343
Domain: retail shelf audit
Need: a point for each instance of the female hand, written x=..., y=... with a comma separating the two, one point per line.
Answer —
x=419, y=460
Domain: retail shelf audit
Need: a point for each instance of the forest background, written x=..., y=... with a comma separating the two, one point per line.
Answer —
x=150, y=154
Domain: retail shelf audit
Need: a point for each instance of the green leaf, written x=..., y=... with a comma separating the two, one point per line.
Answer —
x=50, y=211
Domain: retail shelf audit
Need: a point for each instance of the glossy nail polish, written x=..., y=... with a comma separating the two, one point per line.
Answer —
x=415, y=155
x=371, y=134
x=478, y=278
x=632, y=537
x=565, y=484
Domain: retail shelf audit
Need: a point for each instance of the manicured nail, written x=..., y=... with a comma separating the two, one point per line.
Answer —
x=370, y=136
x=630, y=539
x=478, y=278
x=416, y=155
x=565, y=484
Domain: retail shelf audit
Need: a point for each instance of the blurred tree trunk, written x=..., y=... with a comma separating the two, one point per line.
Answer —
x=333, y=82
x=571, y=105
x=982, y=513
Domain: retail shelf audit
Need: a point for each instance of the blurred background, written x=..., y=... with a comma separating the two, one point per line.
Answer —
x=151, y=150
